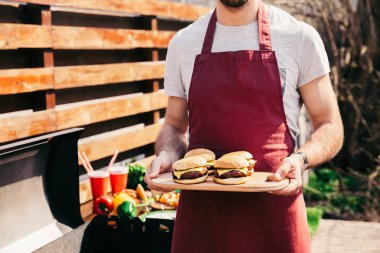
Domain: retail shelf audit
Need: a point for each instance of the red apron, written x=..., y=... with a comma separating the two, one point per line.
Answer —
x=235, y=103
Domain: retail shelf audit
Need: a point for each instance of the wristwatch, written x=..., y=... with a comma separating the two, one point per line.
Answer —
x=304, y=157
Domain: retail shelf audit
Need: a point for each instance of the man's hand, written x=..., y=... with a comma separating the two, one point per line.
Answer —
x=161, y=164
x=326, y=139
x=291, y=167
x=171, y=142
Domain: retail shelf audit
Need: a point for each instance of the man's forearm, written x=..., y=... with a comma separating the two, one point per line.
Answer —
x=323, y=144
x=172, y=141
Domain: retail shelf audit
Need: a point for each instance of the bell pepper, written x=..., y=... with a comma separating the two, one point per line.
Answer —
x=127, y=209
x=124, y=205
x=103, y=205
x=120, y=198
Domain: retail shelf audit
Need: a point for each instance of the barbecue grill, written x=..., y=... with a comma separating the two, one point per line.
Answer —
x=40, y=210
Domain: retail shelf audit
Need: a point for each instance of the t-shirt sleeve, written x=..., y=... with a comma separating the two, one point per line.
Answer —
x=173, y=84
x=314, y=62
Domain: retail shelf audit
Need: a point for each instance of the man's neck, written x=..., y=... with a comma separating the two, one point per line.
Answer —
x=237, y=16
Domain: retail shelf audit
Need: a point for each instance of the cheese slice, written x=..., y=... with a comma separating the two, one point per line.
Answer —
x=210, y=163
x=178, y=173
x=223, y=171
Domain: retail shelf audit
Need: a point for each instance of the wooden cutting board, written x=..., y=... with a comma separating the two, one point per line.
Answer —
x=257, y=182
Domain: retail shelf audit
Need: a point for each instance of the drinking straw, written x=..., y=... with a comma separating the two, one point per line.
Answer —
x=84, y=162
x=87, y=161
x=113, y=159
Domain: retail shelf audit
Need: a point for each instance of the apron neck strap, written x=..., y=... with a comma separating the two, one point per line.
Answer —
x=263, y=25
x=209, y=37
x=264, y=31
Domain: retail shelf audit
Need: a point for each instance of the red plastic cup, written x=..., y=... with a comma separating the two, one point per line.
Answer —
x=99, y=182
x=119, y=178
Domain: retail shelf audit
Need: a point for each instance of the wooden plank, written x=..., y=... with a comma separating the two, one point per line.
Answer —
x=65, y=37
x=84, y=114
x=257, y=182
x=89, y=75
x=21, y=126
x=86, y=211
x=97, y=148
x=48, y=56
x=14, y=36
x=144, y=7
x=56, y=8
x=155, y=57
x=13, y=81
x=156, y=114
x=16, y=127
x=85, y=193
x=41, y=2
x=9, y=4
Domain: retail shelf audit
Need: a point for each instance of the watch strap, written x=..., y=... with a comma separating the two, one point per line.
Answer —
x=304, y=157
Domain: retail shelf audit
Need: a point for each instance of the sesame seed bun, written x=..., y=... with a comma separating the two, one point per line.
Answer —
x=189, y=163
x=230, y=181
x=244, y=154
x=207, y=154
x=191, y=181
x=231, y=162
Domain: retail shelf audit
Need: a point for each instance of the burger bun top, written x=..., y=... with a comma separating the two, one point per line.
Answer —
x=231, y=162
x=207, y=154
x=190, y=163
x=244, y=154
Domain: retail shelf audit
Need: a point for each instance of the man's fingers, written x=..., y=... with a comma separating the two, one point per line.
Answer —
x=155, y=168
x=293, y=187
x=159, y=165
x=147, y=178
x=153, y=172
x=151, y=186
x=282, y=171
x=292, y=174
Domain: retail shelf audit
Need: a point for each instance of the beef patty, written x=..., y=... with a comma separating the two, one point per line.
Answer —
x=192, y=174
x=230, y=174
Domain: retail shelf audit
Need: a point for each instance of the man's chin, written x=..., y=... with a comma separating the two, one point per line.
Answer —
x=233, y=3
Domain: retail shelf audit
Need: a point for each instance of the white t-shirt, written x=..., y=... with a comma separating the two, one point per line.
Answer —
x=299, y=49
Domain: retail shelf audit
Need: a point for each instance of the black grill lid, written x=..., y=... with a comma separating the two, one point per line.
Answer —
x=39, y=190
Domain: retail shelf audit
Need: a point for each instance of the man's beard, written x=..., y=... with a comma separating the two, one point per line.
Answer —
x=234, y=3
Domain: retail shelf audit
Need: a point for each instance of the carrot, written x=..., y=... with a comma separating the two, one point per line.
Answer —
x=141, y=192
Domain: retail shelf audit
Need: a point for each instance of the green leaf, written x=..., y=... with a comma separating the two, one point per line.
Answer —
x=314, y=216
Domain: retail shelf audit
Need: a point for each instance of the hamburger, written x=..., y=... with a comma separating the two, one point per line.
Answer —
x=190, y=170
x=231, y=170
x=207, y=154
x=247, y=156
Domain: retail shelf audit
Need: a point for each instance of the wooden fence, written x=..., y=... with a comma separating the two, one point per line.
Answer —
x=97, y=64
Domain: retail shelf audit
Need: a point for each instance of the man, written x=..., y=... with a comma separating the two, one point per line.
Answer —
x=236, y=77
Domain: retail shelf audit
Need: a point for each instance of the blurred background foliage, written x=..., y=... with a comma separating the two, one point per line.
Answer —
x=349, y=186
